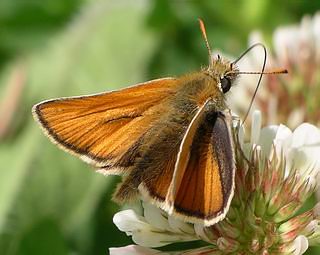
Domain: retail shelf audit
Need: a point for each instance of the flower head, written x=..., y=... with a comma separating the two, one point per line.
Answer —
x=291, y=98
x=276, y=173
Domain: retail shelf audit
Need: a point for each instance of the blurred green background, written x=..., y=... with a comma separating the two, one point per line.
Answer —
x=51, y=202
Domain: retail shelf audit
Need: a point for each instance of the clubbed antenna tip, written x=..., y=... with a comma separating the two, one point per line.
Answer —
x=204, y=34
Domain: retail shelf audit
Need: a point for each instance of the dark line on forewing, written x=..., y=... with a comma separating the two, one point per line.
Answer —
x=123, y=117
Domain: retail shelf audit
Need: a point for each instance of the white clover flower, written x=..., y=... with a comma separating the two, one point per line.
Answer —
x=291, y=98
x=264, y=216
x=155, y=228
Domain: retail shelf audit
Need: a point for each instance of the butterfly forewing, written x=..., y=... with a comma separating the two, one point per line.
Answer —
x=105, y=129
x=184, y=153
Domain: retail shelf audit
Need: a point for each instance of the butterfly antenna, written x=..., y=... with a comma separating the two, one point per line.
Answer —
x=204, y=34
x=276, y=71
x=261, y=73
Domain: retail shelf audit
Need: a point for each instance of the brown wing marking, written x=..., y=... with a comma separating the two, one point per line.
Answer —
x=158, y=188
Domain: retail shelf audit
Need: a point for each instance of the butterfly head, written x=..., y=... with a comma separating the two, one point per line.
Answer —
x=223, y=72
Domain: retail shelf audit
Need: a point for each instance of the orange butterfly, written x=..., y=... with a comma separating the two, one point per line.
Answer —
x=169, y=138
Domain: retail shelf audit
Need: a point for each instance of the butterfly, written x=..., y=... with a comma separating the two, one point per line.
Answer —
x=171, y=139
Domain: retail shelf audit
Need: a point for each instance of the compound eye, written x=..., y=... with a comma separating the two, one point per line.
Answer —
x=225, y=84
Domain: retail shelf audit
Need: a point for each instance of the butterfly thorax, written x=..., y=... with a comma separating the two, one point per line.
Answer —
x=213, y=82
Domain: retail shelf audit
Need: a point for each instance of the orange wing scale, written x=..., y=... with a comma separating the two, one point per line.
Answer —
x=200, y=193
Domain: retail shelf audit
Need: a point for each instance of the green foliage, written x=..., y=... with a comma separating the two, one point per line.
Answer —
x=25, y=25
x=228, y=25
x=50, y=202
